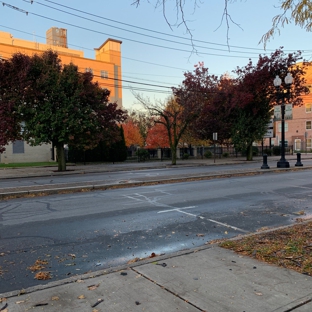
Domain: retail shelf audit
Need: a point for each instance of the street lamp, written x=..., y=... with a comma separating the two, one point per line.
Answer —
x=282, y=163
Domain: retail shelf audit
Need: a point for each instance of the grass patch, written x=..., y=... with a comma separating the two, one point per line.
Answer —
x=30, y=164
x=290, y=247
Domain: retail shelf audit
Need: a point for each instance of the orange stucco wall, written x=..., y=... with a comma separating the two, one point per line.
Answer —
x=107, y=60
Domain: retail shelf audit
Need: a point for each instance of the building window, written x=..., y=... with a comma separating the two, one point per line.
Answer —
x=280, y=127
x=308, y=107
x=309, y=143
x=104, y=74
x=308, y=125
x=18, y=147
x=286, y=143
x=89, y=70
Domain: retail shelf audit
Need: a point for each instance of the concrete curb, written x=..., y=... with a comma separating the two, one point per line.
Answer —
x=87, y=188
x=148, y=260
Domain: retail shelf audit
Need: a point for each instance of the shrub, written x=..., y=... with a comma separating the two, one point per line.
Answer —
x=208, y=154
x=225, y=155
x=142, y=154
x=267, y=151
x=276, y=150
x=185, y=156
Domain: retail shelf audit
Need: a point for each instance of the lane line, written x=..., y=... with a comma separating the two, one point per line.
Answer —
x=193, y=215
x=227, y=225
x=176, y=209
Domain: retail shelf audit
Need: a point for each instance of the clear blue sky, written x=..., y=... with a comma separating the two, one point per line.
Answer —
x=152, y=57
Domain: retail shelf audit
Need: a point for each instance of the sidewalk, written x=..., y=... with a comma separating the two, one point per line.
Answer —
x=208, y=278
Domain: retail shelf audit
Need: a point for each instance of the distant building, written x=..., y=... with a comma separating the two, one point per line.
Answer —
x=105, y=67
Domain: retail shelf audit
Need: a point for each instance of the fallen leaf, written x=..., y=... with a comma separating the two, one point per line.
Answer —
x=92, y=287
x=72, y=255
x=225, y=232
x=81, y=297
x=133, y=260
x=201, y=235
x=152, y=255
x=2, y=300
x=300, y=213
x=43, y=275
x=258, y=294
x=55, y=298
x=79, y=281
x=19, y=302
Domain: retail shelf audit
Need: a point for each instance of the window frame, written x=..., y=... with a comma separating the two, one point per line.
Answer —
x=104, y=74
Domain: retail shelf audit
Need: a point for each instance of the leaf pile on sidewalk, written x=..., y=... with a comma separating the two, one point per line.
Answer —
x=289, y=247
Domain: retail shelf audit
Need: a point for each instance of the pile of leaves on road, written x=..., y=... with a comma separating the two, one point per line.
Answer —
x=289, y=247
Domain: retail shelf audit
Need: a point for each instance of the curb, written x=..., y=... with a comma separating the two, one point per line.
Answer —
x=145, y=261
x=97, y=187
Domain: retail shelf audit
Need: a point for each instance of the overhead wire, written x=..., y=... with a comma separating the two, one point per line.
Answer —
x=120, y=37
x=153, y=31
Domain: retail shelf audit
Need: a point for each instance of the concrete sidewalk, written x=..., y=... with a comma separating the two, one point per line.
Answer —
x=203, y=279
x=206, y=279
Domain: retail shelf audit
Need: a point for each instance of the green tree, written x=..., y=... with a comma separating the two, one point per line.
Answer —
x=63, y=106
x=118, y=150
x=12, y=79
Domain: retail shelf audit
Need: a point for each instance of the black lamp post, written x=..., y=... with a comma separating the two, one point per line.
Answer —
x=283, y=163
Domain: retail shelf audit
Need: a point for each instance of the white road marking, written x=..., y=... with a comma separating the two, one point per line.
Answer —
x=142, y=198
x=193, y=215
x=176, y=209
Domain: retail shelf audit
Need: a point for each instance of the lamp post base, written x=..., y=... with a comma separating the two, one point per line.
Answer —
x=282, y=164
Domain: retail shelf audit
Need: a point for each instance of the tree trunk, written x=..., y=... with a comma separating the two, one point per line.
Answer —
x=60, y=157
x=174, y=155
x=249, y=152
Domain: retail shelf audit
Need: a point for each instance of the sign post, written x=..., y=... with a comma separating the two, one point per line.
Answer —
x=215, y=138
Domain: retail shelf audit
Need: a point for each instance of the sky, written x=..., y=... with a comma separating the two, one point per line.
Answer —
x=154, y=55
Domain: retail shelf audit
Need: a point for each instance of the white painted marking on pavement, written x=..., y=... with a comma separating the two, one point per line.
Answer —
x=226, y=225
x=176, y=209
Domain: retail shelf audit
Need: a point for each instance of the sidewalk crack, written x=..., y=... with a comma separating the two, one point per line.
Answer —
x=169, y=291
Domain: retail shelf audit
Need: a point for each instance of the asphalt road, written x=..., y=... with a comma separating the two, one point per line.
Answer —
x=133, y=175
x=78, y=233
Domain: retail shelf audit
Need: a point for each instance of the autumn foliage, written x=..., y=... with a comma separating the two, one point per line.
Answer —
x=132, y=134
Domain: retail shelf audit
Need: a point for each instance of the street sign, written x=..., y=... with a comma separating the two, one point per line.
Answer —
x=270, y=132
x=288, y=111
x=215, y=136
x=277, y=112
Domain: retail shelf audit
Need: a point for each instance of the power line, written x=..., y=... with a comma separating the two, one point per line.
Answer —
x=122, y=38
x=84, y=48
x=149, y=30
x=137, y=33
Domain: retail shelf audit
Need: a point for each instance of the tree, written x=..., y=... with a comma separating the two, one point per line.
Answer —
x=132, y=134
x=214, y=94
x=175, y=115
x=297, y=11
x=12, y=79
x=254, y=95
x=143, y=121
x=118, y=150
x=157, y=137
x=63, y=106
